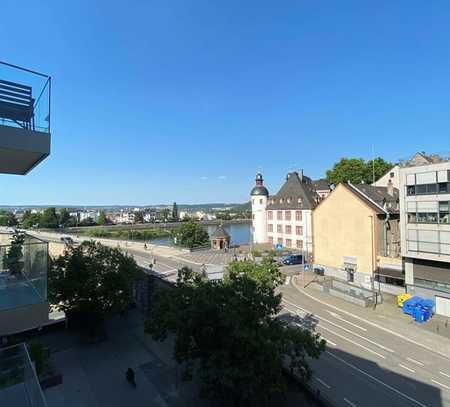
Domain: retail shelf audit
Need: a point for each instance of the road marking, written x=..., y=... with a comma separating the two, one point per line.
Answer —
x=323, y=383
x=348, y=322
x=328, y=341
x=344, y=329
x=349, y=402
x=415, y=361
x=405, y=338
x=354, y=343
x=376, y=380
x=445, y=374
x=407, y=368
x=440, y=384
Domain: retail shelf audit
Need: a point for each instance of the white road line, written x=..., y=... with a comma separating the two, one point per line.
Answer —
x=445, y=374
x=344, y=329
x=354, y=343
x=440, y=384
x=407, y=368
x=398, y=335
x=328, y=341
x=376, y=380
x=349, y=402
x=323, y=383
x=415, y=361
x=348, y=322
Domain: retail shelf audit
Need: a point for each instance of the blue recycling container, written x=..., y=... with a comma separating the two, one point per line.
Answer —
x=429, y=305
x=419, y=314
x=410, y=305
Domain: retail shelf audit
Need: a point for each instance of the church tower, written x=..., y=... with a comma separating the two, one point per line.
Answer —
x=259, y=197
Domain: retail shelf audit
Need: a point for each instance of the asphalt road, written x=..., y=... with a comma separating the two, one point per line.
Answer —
x=367, y=366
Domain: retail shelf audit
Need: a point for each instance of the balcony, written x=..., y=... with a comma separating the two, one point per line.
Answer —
x=19, y=385
x=24, y=118
x=23, y=283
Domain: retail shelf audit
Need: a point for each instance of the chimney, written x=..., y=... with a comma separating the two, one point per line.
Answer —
x=300, y=175
x=390, y=188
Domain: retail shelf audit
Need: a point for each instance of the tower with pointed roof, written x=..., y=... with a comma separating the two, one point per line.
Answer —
x=259, y=196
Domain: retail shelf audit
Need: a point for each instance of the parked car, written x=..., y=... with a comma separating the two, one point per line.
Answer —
x=320, y=271
x=67, y=240
x=293, y=259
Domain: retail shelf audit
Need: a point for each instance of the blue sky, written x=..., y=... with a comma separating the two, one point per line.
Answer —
x=161, y=101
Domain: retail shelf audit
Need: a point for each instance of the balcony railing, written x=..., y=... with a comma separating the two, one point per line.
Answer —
x=23, y=271
x=24, y=98
x=19, y=385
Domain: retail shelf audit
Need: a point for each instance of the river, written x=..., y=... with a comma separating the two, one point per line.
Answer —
x=240, y=234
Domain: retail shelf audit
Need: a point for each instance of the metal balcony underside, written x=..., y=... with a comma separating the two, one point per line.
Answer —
x=22, y=149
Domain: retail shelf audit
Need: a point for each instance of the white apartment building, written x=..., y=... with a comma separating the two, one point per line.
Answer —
x=285, y=219
x=425, y=230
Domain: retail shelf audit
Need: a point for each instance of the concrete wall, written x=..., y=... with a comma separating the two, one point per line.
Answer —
x=343, y=225
x=23, y=318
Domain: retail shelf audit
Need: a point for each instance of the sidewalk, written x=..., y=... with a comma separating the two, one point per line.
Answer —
x=433, y=335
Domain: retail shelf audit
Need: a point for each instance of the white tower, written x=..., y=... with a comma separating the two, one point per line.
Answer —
x=259, y=196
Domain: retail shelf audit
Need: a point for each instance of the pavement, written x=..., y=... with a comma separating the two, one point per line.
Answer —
x=373, y=357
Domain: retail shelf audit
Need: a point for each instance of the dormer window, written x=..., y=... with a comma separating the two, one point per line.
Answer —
x=281, y=200
x=288, y=200
x=299, y=200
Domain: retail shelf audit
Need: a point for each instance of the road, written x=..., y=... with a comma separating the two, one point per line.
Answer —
x=364, y=365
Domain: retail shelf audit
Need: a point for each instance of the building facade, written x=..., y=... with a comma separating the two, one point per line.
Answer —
x=285, y=219
x=356, y=234
x=425, y=227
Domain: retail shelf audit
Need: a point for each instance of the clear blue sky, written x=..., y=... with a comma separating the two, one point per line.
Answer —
x=161, y=101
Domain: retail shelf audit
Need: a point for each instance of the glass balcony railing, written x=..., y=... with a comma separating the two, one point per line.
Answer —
x=24, y=98
x=19, y=385
x=23, y=271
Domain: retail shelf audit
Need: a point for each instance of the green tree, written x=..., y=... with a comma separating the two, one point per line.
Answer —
x=358, y=171
x=102, y=218
x=13, y=259
x=7, y=219
x=30, y=219
x=175, y=212
x=347, y=169
x=377, y=167
x=190, y=234
x=49, y=219
x=91, y=281
x=64, y=217
x=138, y=217
x=227, y=333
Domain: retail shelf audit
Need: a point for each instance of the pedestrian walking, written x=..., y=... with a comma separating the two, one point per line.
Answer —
x=130, y=376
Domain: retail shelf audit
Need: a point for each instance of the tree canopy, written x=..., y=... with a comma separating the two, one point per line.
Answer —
x=7, y=219
x=358, y=171
x=190, y=234
x=102, y=218
x=227, y=332
x=92, y=280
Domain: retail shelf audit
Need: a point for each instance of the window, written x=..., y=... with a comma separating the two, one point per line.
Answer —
x=392, y=175
x=270, y=215
x=421, y=189
x=270, y=227
x=432, y=188
x=271, y=239
x=279, y=229
x=280, y=240
x=279, y=215
x=411, y=190
x=253, y=201
x=412, y=218
x=281, y=200
x=299, y=230
x=288, y=229
x=288, y=242
x=299, y=244
x=288, y=200
x=260, y=201
x=287, y=215
x=443, y=211
x=443, y=188
x=253, y=216
x=299, y=200
x=423, y=217
x=298, y=215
